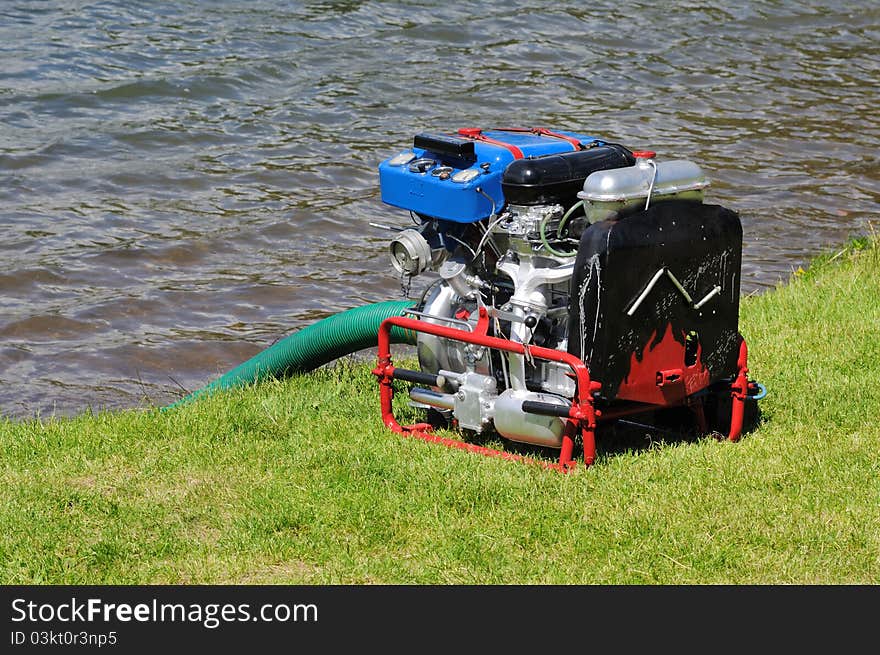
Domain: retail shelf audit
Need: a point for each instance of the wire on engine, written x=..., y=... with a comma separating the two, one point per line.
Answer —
x=462, y=243
x=487, y=235
x=542, y=232
x=500, y=332
x=567, y=215
x=653, y=179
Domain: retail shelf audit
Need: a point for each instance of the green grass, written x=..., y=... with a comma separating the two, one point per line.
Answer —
x=298, y=482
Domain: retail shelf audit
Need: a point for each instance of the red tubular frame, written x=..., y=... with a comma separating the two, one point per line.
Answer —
x=739, y=391
x=582, y=414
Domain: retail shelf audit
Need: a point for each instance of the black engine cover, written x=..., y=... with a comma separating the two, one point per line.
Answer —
x=557, y=179
x=644, y=338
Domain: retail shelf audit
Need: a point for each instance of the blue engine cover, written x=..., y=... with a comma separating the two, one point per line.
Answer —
x=426, y=183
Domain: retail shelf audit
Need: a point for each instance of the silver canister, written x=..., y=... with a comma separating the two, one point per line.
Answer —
x=606, y=193
x=512, y=422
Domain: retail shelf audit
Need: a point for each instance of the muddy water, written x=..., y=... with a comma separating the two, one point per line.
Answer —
x=183, y=183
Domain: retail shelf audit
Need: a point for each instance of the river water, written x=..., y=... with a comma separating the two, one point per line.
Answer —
x=182, y=183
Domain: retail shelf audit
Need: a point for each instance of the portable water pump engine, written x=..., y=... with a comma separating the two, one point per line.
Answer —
x=575, y=280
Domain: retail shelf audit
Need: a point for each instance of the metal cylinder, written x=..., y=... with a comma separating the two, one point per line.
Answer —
x=512, y=422
x=432, y=398
x=622, y=189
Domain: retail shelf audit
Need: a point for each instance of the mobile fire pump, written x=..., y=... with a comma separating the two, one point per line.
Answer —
x=576, y=281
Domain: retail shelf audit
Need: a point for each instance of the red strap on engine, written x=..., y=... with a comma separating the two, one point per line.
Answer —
x=476, y=134
x=543, y=131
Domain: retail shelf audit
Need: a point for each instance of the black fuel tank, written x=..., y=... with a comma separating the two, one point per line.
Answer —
x=557, y=179
x=658, y=292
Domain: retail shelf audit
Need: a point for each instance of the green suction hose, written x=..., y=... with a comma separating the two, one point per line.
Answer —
x=322, y=342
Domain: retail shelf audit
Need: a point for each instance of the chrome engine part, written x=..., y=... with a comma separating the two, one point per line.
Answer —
x=505, y=267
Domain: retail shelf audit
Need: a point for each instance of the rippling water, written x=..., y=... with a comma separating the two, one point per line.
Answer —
x=183, y=183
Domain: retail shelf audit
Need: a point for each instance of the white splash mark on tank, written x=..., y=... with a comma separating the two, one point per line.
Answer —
x=594, y=266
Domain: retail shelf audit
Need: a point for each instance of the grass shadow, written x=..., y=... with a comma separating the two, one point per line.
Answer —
x=636, y=434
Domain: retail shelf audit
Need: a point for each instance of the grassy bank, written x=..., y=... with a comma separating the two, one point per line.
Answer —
x=297, y=481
